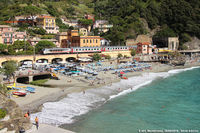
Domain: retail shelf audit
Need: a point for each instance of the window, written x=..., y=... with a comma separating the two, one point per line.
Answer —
x=90, y=41
x=87, y=41
x=93, y=40
x=96, y=41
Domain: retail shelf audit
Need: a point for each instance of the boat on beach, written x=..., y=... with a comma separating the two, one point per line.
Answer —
x=30, y=89
x=19, y=93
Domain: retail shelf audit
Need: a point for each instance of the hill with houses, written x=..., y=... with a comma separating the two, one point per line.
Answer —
x=115, y=21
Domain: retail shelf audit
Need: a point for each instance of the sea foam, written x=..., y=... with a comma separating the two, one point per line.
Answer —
x=76, y=104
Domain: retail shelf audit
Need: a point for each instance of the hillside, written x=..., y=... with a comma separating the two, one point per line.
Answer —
x=68, y=8
x=129, y=17
x=176, y=17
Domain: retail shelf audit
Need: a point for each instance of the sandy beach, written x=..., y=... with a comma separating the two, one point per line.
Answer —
x=67, y=85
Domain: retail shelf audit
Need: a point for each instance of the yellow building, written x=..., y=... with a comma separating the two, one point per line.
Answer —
x=90, y=41
x=48, y=23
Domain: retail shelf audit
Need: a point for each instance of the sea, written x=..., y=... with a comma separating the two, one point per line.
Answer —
x=152, y=102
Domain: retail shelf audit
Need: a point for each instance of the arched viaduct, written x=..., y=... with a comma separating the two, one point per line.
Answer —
x=51, y=58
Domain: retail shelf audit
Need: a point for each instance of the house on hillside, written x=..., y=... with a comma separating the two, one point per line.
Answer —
x=102, y=25
x=48, y=23
x=83, y=31
x=62, y=37
x=104, y=42
x=144, y=48
x=7, y=34
x=20, y=36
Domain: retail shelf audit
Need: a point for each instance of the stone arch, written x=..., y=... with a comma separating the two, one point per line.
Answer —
x=56, y=60
x=4, y=62
x=25, y=60
x=70, y=59
x=42, y=60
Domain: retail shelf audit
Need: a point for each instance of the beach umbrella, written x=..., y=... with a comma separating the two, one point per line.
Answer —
x=121, y=72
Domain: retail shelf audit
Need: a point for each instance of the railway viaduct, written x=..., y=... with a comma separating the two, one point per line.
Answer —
x=51, y=58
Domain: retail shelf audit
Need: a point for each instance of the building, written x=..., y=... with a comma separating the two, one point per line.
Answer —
x=104, y=42
x=85, y=41
x=74, y=23
x=83, y=32
x=34, y=41
x=102, y=25
x=62, y=38
x=90, y=17
x=20, y=36
x=48, y=23
x=139, y=39
x=7, y=34
x=170, y=43
x=144, y=48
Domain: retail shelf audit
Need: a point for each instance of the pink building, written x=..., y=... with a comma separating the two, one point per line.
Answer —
x=7, y=34
x=144, y=48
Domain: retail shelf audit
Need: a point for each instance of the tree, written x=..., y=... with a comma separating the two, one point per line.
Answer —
x=3, y=48
x=119, y=55
x=31, y=10
x=133, y=52
x=96, y=57
x=9, y=68
x=43, y=44
x=165, y=32
x=20, y=48
x=86, y=22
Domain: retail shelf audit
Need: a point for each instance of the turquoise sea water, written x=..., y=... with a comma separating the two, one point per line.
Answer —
x=169, y=103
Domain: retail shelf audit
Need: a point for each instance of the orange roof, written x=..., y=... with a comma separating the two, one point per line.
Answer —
x=144, y=43
x=45, y=17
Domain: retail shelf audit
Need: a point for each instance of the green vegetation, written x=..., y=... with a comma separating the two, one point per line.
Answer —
x=85, y=22
x=119, y=55
x=3, y=89
x=39, y=82
x=3, y=48
x=96, y=57
x=48, y=37
x=61, y=25
x=180, y=16
x=35, y=31
x=20, y=48
x=175, y=17
x=9, y=68
x=43, y=44
x=133, y=52
x=69, y=8
x=2, y=113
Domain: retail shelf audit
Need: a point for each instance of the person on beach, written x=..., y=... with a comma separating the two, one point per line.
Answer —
x=83, y=92
x=36, y=122
x=119, y=89
x=28, y=113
